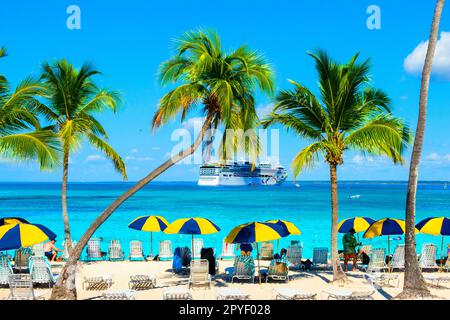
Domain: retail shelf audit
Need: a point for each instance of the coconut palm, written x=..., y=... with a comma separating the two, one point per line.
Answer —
x=414, y=284
x=73, y=100
x=208, y=80
x=21, y=135
x=347, y=115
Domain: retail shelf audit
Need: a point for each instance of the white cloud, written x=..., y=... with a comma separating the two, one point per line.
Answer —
x=437, y=159
x=413, y=63
x=156, y=148
x=139, y=159
x=94, y=157
x=135, y=150
x=264, y=110
x=193, y=123
x=358, y=159
x=433, y=157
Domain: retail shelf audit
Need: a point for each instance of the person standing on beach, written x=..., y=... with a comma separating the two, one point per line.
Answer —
x=350, y=245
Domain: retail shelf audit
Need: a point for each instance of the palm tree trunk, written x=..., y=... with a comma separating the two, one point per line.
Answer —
x=65, y=287
x=65, y=213
x=338, y=274
x=414, y=284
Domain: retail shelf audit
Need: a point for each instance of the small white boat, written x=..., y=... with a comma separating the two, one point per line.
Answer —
x=356, y=196
x=297, y=185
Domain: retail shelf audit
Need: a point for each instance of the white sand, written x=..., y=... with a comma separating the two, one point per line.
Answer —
x=315, y=282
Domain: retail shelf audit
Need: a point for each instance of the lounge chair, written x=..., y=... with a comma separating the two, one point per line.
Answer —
x=344, y=294
x=294, y=255
x=97, y=283
x=208, y=254
x=115, y=251
x=278, y=270
x=377, y=261
x=21, y=259
x=41, y=271
x=182, y=258
x=232, y=294
x=21, y=288
x=320, y=258
x=228, y=251
x=398, y=258
x=136, y=253
x=382, y=279
x=244, y=269
x=199, y=273
x=428, y=257
x=118, y=295
x=6, y=269
x=446, y=265
x=65, y=255
x=436, y=279
x=177, y=294
x=38, y=250
x=292, y=294
x=142, y=282
x=198, y=245
x=165, y=250
x=93, y=251
x=266, y=252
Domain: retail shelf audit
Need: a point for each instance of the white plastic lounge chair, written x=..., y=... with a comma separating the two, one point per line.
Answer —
x=198, y=245
x=38, y=250
x=65, y=255
x=21, y=288
x=379, y=280
x=294, y=255
x=142, y=282
x=94, y=251
x=232, y=294
x=21, y=259
x=228, y=251
x=293, y=294
x=244, y=269
x=377, y=261
x=446, y=266
x=177, y=294
x=398, y=258
x=428, y=257
x=118, y=295
x=115, y=251
x=199, y=273
x=320, y=258
x=436, y=279
x=136, y=253
x=278, y=271
x=344, y=294
x=41, y=271
x=97, y=283
x=6, y=269
x=266, y=252
x=165, y=250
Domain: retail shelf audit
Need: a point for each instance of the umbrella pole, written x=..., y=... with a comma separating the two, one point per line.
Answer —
x=389, y=253
x=151, y=245
x=442, y=251
x=259, y=267
x=192, y=246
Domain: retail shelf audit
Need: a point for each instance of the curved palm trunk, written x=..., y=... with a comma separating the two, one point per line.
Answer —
x=65, y=213
x=338, y=274
x=414, y=284
x=65, y=287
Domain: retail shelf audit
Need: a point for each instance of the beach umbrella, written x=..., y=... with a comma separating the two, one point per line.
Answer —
x=12, y=220
x=255, y=232
x=360, y=224
x=386, y=227
x=290, y=227
x=436, y=226
x=192, y=226
x=149, y=224
x=23, y=235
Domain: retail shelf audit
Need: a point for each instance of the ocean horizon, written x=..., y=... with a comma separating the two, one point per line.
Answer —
x=308, y=206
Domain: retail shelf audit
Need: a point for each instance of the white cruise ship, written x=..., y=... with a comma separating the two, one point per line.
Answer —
x=241, y=174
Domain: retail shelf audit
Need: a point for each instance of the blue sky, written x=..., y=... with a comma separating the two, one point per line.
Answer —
x=128, y=40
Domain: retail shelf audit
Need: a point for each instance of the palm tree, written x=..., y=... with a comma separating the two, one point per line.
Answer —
x=220, y=85
x=414, y=284
x=73, y=100
x=348, y=114
x=21, y=135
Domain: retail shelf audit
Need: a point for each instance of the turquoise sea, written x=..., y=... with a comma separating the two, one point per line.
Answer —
x=307, y=206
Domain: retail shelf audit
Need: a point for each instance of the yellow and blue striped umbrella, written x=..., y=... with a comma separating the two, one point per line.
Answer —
x=290, y=227
x=256, y=232
x=436, y=226
x=22, y=235
x=12, y=220
x=192, y=226
x=360, y=224
x=149, y=224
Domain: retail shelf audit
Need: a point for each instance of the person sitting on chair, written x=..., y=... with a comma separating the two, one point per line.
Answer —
x=50, y=250
x=350, y=245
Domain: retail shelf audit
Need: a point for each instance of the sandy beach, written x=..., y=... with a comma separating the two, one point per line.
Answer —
x=314, y=282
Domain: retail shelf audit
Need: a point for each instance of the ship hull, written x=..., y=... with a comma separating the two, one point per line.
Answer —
x=238, y=181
